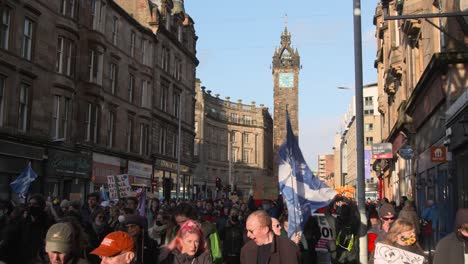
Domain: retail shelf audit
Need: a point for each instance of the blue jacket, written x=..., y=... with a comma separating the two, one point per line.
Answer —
x=431, y=214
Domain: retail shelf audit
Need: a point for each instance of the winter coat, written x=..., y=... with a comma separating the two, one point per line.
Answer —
x=175, y=257
x=232, y=236
x=452, y=248
x=283, y=250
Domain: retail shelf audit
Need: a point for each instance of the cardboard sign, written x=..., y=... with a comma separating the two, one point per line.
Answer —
x=118, y=186
x=386, y=254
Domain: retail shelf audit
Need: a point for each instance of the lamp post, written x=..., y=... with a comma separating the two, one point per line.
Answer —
x=359, y=130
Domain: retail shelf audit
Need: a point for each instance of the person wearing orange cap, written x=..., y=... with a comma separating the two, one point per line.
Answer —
x=116, y=248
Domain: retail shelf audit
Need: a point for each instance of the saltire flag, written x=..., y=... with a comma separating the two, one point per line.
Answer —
x=104, y=195
x=24, y=180
x=142, y=202
x=303, y=192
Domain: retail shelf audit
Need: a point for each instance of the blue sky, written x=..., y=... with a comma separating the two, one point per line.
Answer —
x=237, y=40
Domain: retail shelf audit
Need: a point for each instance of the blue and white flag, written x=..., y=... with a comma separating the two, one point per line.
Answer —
x=303, y=192
x=22, y=183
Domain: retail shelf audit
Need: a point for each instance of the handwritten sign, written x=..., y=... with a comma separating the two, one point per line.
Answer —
x=386, y=254
x=118, y=186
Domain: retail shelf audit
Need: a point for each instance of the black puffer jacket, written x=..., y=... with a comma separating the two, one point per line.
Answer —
x=175, y=257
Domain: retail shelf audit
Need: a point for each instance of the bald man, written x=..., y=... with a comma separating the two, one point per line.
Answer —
x=265, y=247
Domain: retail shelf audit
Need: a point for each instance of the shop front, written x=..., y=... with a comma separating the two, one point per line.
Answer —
x=169, y=185
x=103, y=166
x=139, y=175
x=14, y=158
x=67, y=174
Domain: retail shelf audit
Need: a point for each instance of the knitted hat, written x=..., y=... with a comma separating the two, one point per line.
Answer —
x=59, y=238
x=135, y=220
x=386, y=210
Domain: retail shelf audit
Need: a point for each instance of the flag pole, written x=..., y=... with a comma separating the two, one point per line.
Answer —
x=294, y=187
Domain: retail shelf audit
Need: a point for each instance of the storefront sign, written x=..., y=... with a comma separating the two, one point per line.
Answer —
x=170, y=165
x=382, y=151
x=118, y=186
x=438, y=154
x=68, y=164
x=103, y=166
x=139, y=169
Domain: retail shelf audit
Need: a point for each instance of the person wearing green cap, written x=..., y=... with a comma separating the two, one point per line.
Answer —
x=59, y=244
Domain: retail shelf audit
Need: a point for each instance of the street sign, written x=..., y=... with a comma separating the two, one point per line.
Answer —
x=406, y=152
x=382, y=151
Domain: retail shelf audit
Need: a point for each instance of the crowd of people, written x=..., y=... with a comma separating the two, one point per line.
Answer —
x=223, y=231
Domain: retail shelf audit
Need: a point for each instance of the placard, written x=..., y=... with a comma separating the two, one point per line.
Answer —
x=326, y=232
x=386, y=254
x=118, y=186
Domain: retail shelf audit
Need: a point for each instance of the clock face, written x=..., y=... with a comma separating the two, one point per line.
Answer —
x=286, y=80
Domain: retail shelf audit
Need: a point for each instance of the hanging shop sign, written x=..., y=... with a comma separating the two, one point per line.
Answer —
x=382, y=151
x=406, y=152
x=438, y=154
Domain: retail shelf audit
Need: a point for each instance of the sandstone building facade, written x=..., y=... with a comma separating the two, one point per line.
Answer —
x=88, y=89
x=234, y=143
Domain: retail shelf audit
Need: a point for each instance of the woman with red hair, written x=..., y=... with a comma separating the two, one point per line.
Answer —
x=187, y=247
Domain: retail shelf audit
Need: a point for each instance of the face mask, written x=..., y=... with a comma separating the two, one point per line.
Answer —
x=35, y=211
x=121, y=218
x=408, y=240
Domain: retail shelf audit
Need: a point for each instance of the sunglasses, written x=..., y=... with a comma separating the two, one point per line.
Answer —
x=388, y=218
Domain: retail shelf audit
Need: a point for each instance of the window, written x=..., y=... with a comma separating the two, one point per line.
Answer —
x=95, y=67
x=92, y=123
x=163, y=98
x=113, y=77
x=110, y=129
x=369, y=112
x=175, y=145
x=115, y=30
x=176, y=104
x=5, y=30
x=177, y=69
x=234, y=117
x=165, y=59
x=65, y=50
x=67, y=8
x=369, y=127
x=27, y=39
x=131, y=87
x=145, y=94
x=2, y=98
x=97, y=13
x=144, y=139
x=145, y=52
x=132, y=44
x=245, y=156
x=162, y=140
x=233, y=136
x=60, y=117
x=369, y=141
x=129, y=135
x=234, y=155
x=23, y=107
x=246, y=138
x=247, y=120
x=368, y=101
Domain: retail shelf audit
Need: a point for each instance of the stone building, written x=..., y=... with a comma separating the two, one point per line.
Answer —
x=285, y=69
x=326, y=167
x=233, y=142
x=421, y=66
x=346, y=143
x=80, y=93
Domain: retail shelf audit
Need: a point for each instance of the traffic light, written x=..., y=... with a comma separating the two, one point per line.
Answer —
x=218, y=184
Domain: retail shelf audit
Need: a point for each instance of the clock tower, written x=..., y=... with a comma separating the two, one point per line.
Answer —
x=285, y=70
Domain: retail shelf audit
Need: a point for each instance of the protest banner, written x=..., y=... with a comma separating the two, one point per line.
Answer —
x=119, y=187
x=386, y=254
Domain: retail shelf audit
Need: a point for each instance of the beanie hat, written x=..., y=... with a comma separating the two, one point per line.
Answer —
x=135, y=220
x=115, y=243
x=59, y=238
x=386, y=210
